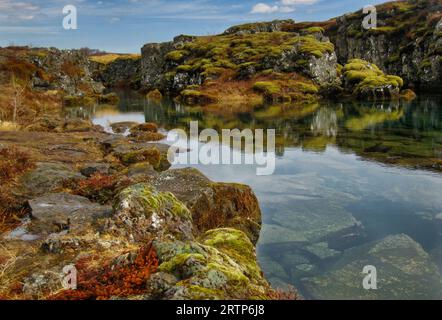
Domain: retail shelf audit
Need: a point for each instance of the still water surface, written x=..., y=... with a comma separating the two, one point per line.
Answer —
x=355, y=185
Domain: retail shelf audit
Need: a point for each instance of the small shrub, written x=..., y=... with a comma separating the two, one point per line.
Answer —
x=99, y=188
x=280, y=294
x=113, y=281
x=13, y=163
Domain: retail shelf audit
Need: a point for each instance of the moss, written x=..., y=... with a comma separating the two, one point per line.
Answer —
x=383, y=30
x=151, y=155
x=194, y=97
x=307, y=88
x=185, y=68
x=268, y=88
x=425, y=64
x=154, y=201
x=177, y=55
x=311, y=45
x=179, y=260
x=393, y=59
x=313, y=30
x=367, y=76
x=235, y=244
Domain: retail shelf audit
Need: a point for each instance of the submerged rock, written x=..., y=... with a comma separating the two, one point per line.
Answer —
x=404, y=271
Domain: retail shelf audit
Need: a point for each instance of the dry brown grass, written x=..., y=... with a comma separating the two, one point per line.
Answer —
x=34, y=104
x=13, y=163
x=231, y=92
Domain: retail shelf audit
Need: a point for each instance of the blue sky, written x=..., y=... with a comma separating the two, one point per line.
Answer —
x=125, y=25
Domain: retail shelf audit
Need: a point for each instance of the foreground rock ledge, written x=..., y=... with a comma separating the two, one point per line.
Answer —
x=170, y=234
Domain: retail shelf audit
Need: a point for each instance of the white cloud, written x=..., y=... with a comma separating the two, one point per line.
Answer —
x=264, y=8
x=286, y=9
x=283, y=6
x=295, y=2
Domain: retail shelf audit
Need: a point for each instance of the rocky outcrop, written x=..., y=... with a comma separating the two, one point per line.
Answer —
x=67, y=70
x=249, y=28
x=298, y=66
x=120, y=73
x=96, y=205
x=213, y=205
x=407, y=42
x=70, y=230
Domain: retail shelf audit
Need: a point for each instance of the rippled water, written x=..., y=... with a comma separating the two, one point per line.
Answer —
x=355, y=185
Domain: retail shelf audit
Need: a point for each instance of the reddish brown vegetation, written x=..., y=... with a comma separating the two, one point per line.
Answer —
x=120, y=281
x=279, y=294
x=99, y=188
x=13, y=163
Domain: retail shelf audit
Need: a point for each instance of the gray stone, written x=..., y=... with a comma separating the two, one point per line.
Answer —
x=404, y=271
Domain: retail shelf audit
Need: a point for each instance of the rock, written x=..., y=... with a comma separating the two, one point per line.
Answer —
x=322, y=251
x=147, y=136
x=366, y=81
x=145, y=127
x=90, y=169
x=213, y=204
x=273, y=26
x=273, y=268
x=143, y=169
x=307, y=220
x=159, y=283
x=123, y=127
x=272, y=233
x=78, y=125
x=120, y=73
x=58, y=212
x=415, y=58
x=141, y=212
x=45, y=178
x=404, y=271
x=221, y=266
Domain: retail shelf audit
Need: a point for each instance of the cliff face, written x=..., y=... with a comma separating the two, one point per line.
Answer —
x=50, y=69
x=252, y=65
x=122, y=72
x=407, y=42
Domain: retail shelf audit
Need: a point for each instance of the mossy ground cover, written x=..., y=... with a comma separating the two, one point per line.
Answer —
x=363, y=77
x=228, y=63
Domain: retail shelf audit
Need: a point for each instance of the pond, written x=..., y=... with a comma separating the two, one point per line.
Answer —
x=355, y=185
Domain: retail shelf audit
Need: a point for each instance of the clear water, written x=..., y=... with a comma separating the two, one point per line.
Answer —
x=355, y=185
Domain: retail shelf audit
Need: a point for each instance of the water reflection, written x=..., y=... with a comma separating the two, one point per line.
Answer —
x=343, y=195
x=396, y=133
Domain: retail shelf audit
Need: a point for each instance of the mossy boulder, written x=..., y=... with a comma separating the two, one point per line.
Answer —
x=151, y=155
x=366, y=81
x=221, y=265
x=145, y=213
x=213, y=205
